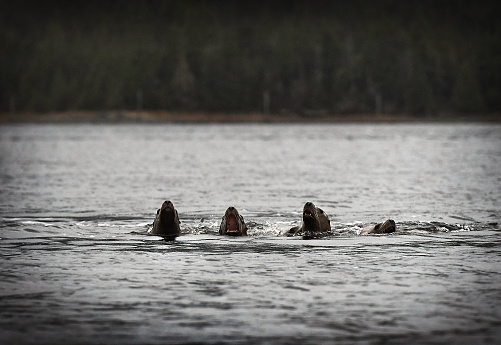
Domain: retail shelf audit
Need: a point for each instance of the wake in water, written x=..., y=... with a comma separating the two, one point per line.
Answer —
x=116, y=226
x=343, y=229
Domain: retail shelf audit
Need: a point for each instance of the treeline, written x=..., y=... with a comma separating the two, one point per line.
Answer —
x=306, y=57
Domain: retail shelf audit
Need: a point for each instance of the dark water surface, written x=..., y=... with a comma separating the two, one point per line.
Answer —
x=77, y=266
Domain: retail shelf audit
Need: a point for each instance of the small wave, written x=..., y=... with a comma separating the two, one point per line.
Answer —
x=35, y=222
x=463, y=218
x=433, y=227
x=267, y=228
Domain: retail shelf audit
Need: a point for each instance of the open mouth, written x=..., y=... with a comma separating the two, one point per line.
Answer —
x=231, y=224
x=307, y=214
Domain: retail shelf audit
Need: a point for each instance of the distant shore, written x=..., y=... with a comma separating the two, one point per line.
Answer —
x=174, y=117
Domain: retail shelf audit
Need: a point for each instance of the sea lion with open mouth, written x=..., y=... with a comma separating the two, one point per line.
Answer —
x=166, y=222
x=233, y=223
x=315, y=221
x=386, y=227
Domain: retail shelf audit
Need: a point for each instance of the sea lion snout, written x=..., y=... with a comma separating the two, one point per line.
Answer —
x=309, y=210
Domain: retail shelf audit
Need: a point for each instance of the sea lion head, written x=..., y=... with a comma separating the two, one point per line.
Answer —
x=386, y=227
x=310, y=217
x=315, y=223
x=167, y=212
x=233, y=223
x=166, y=222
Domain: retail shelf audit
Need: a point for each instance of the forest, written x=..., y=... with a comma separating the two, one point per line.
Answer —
x=421, y=58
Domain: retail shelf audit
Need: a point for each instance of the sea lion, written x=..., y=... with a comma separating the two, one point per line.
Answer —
x=386, y=227
x=233, y=223
x=315, y=221
x=166, y=222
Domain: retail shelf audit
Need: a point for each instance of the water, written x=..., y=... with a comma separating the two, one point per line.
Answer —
x=76, y=202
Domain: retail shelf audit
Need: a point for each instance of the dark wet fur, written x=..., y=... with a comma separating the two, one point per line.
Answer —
x=166, y=222
x=315, y=222
x=386, y=227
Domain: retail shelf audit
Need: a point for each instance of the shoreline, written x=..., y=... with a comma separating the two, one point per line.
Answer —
x=205, y=118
